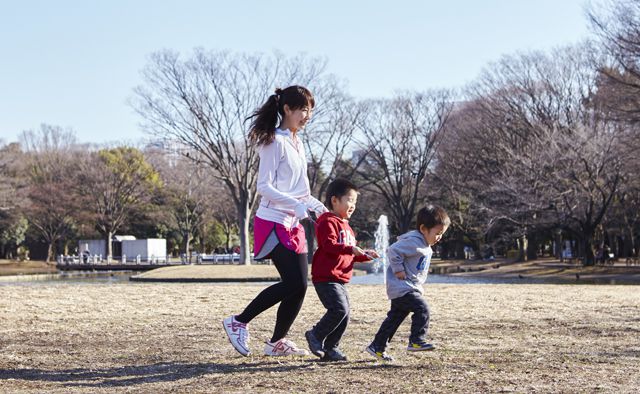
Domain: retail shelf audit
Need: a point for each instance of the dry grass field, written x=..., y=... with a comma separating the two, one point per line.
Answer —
x=164, y=337
x=12, y=267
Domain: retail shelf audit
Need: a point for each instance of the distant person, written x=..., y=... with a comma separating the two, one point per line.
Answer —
x=86, y=255
x=409, y=260
x=332, y=268
x=278, y=234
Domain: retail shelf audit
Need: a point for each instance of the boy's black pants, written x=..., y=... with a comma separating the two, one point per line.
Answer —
x=332, y=325
x=412, y=302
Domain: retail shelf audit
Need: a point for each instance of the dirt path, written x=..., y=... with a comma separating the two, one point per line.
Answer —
x=168, y=337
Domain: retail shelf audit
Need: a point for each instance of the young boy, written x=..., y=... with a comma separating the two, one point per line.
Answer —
x=409, y=260
x=332, y=268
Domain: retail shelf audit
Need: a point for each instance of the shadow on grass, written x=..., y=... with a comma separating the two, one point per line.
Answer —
x=154, y=373
x=138, y=374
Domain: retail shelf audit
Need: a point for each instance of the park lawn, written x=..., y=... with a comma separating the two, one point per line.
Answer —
x=162, y=337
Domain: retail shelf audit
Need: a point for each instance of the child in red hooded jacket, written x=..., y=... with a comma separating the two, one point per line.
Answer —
x=332, y=268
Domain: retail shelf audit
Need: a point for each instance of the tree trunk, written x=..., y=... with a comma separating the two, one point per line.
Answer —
x=532, y=247
x=629, y=244
x=522, y=248
x=459, y=246
x=227, y=242
x=558, y=244
x=587, y=249
x=405, y=223
x=186, y=243
x=49, y=251
x=109, y=246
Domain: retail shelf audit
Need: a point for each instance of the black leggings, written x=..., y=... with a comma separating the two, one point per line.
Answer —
x=289, y=292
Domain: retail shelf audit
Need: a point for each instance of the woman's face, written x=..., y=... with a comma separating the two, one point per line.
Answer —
x=296, y=119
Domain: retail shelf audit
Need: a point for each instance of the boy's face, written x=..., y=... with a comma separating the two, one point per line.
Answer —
x=345, y=205
x=434, y=234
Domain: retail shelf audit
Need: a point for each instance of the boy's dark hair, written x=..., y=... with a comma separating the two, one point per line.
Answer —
x=338, y=188
x=431, y=216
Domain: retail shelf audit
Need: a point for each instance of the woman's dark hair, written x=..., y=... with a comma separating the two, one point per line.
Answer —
x=338, y=188
x=431, y=216
x=264, y=120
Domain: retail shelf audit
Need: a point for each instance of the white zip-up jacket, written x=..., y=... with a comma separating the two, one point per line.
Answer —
x=283, y=182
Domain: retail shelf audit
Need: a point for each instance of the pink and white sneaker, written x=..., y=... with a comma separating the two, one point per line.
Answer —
x=238, y=334
x=283, y=347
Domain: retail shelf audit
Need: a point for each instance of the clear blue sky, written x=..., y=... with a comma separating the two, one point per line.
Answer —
x=74, y=63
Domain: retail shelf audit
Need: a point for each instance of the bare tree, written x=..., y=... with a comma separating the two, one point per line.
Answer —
x=225, y=214
x=328, y=138
x=542, y=146
x=50, y=170
x=13, y=198
x=11, y=180
x=590, y=176
x=455, y=183
x=190, y=197
x=626, y=215
x=203, y=102
x=401, y=137
x=617, y=25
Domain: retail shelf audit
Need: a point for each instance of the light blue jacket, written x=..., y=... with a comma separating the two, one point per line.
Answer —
x=411, y=254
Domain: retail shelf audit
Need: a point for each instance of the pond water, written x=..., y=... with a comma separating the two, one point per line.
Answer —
x=69, y=277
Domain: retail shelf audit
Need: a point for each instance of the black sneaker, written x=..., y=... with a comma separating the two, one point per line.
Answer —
x=314, y=344
x=334, y=355
x=377, y=354
x=419, y=347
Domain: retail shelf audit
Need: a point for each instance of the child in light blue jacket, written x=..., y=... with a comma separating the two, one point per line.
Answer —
x=409, y=260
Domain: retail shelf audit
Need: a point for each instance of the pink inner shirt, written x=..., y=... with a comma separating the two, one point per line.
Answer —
x=291, y=238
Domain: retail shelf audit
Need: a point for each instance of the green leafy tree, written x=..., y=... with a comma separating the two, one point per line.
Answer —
x=13, y=235
x=115, y=183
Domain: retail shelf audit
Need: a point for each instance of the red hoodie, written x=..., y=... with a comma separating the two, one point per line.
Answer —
x=333, y=260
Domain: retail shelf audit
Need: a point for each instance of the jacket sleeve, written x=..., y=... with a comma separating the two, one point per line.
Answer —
x=269, y=160
x=396, y=255
x=315, y=204
x=328, y=236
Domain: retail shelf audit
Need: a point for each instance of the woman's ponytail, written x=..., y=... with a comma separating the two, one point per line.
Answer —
x=265, y=119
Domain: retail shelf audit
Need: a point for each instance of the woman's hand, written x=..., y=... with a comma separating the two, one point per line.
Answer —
x=301, y=211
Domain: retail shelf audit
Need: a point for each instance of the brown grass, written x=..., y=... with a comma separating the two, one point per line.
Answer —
x=168, y=337
x=12, y=267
